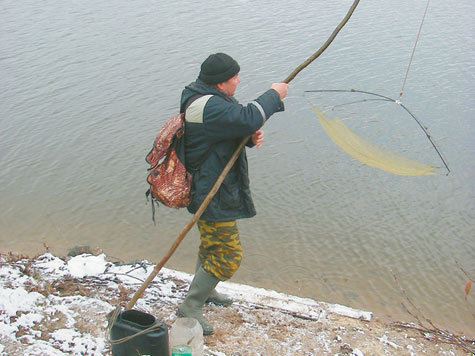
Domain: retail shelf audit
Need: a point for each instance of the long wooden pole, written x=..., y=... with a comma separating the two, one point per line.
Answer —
x=227, y=168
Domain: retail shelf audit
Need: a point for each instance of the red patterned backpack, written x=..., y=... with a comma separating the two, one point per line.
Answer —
x=170, y=182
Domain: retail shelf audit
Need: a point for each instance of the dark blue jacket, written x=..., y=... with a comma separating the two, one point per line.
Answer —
x=215, y=125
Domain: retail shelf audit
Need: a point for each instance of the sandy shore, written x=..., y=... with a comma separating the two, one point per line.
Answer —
x=53, y=306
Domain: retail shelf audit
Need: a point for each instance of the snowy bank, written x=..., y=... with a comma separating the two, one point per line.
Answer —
x=50, y=306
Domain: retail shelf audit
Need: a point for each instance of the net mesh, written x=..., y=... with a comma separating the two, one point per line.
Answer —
x=370, y=153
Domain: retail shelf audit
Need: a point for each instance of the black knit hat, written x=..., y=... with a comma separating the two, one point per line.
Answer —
x=218, y=68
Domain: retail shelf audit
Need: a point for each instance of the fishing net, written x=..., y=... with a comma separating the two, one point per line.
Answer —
x=367, y=111
x=370, y=153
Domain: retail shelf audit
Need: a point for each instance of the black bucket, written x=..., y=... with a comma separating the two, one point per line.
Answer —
x=130, y=322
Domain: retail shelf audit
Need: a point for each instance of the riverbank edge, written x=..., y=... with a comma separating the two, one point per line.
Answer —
x=42, y=298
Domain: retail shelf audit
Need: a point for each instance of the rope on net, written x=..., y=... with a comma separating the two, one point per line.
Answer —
x=413, y=51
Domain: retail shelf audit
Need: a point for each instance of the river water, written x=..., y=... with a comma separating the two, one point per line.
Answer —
x=85, y=85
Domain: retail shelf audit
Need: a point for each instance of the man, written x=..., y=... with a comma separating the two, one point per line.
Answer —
x=215, y=124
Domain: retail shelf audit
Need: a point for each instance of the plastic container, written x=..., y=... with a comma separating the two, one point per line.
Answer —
x=181, y=350
x=130, y=322
x=187, y=332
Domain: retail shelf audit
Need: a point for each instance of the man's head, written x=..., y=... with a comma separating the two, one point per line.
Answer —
x=220, y=70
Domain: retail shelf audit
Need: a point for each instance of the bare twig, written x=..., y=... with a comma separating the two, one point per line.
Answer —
x=441, y=336
x=124, y=274
x=412, y=304
x=468, y=284
x=432, y=332
x=470, y=278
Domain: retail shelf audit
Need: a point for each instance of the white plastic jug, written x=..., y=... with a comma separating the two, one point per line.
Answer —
x=187, y=331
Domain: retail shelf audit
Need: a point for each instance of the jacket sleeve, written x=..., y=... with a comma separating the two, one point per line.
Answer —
x=223, y=119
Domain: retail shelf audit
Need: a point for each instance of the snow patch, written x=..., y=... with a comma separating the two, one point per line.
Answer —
x=87, y=265
x=384, y=339
x=357, y=352
x=16, y=300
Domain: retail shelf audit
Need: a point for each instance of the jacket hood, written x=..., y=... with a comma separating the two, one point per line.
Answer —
x=200, y=88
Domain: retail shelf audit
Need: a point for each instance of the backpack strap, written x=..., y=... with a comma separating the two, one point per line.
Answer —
x=190, y=101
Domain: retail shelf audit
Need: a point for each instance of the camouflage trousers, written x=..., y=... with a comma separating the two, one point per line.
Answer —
x=220, y=250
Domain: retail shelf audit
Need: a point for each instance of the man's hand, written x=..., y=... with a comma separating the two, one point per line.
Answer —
x=257, y=138
x=280, y=88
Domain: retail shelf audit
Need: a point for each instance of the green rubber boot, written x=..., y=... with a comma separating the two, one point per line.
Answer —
x=201, y=286
x=215, y=297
